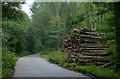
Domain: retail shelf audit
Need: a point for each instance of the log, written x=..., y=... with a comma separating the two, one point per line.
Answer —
x=85, y=30
x=91, y=40
x=90, y=57
x=96, y=54
x=99, y=63
x=85, y=46
x=94, y=45
x=90, y=36
x=76, y=31
x=92, y=33
x=85, y=61
x=92, y=51
x=92, y=48
x=101, y=60
x=69, y=60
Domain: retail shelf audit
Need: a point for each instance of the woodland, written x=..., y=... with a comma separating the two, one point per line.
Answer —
x=45, y=31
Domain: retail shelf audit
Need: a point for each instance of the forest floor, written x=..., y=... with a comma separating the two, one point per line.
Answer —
x=34, y=66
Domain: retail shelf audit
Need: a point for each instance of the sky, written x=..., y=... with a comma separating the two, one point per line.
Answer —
x=26, y=7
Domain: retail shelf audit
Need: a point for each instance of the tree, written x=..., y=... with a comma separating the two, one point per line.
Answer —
x=117, y=32
x=14, y=24
x=11, y=11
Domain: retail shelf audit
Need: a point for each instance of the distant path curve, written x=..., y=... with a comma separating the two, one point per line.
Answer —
x=34, y=66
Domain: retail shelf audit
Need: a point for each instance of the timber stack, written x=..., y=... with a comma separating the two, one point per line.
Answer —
x=85, y=46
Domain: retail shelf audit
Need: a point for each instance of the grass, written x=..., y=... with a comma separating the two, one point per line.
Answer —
x=44, y=52
x=56, y=57
x=97, y=71
x=59, y=57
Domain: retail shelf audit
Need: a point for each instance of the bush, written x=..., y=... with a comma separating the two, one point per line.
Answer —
x=6, y=73
x=8, y=62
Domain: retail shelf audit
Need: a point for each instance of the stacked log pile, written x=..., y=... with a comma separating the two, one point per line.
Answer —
x=85, y=46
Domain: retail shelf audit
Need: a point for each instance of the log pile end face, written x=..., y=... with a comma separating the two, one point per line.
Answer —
x=85, y=47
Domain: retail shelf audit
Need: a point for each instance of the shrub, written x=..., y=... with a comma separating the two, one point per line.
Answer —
x=6, y=73
x=8, y=62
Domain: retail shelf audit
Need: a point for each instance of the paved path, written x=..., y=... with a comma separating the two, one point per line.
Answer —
x=34, y=66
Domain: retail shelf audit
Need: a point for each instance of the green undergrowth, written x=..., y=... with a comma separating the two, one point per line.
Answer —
x=56, y=57
x=8, y=62
x=44, y=52
x=59, y=57
x=25, y=53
